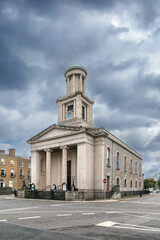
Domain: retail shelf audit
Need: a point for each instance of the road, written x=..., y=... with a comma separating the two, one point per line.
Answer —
x=134, y=218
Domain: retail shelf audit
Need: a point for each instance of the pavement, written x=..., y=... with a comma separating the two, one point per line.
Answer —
x=132, y=218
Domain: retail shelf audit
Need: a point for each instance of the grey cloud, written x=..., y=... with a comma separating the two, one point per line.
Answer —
x=39, y=39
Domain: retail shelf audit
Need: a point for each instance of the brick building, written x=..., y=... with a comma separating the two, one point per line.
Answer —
x=15, y=170
x=75, y=152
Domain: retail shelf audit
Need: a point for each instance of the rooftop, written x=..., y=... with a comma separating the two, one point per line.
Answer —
x=74, y=66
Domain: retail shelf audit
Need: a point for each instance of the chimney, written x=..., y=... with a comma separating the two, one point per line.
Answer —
x=2, y=151
x=12, y=152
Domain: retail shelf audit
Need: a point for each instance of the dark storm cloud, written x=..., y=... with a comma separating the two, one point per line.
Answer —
x=39, y=39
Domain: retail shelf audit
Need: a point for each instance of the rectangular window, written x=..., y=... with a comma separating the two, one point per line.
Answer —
x=2, y=161
x=117, y=160
x=83, y=112
x=10, y=183
x=139, y=184
x=12, y=172
x=136, y=168
x=139, y=169
x=3, y=172
x=29, y=165
x=21, y=163
x=108, y=156
x=29, y=174
x=125, y=166
x=135, y=183
x=21, y=174
x=70, y=107
x=131, y=183
x=131, y=166
x=125, y=183
x=12, y=162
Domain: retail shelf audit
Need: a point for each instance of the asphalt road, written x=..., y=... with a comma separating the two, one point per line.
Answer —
x=134, y=218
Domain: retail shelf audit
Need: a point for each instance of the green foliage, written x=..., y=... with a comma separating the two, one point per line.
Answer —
x=158, y=182
x=149, y=183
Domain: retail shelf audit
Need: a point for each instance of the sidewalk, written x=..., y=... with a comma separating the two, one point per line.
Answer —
x=7, y=196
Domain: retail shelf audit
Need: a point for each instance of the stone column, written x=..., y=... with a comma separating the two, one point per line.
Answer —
x=35, y=166
x=80, y=83
x=48, y=166
x=74, y=108
x=64, y=164
x=74, y=83
x=67, y=85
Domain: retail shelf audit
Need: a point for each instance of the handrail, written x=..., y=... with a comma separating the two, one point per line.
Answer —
x=46, y=187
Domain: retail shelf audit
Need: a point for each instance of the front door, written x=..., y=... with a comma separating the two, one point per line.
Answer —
x=1, y=183
x=108, y=183
x=69, y=175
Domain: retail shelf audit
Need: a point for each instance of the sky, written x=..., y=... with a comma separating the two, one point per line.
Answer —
x=117, y=41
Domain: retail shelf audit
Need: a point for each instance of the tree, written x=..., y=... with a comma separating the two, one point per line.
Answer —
x=149, y=183
x=158, y=182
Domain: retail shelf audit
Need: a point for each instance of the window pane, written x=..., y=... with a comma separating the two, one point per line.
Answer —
x=70, y=107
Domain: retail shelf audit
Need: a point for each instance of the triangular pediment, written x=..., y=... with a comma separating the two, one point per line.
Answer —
x=54, y=131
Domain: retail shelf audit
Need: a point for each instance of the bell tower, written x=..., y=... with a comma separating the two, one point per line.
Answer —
x=75, y=109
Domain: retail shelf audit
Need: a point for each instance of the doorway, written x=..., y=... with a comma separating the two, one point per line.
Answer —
x=2, y=183
x=69, y=175
x=108, y=183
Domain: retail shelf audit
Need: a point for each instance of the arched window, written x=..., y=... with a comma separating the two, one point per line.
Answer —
x=117, y=160
x=108, y=156
x=117, y=181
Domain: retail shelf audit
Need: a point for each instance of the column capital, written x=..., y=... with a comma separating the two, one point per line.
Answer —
x=64, y=147
x=48, y=150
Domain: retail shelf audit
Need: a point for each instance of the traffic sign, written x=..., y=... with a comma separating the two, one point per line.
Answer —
x=104, y=180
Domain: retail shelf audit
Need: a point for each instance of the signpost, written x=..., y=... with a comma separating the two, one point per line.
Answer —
x=104, y=181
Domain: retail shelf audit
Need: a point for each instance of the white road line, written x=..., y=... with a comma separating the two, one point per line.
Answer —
x=88, y=213
x=64, y=215
x=3, y=220
x=127, y=226
x=29, y=217
x=134, y=215
x=17, y=209
x=111, y=212
x=55, y=205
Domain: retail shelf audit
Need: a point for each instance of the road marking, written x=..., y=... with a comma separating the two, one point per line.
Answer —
x=134, y=215
x=111, y=212
x=29, y=217
x=64, y=215
x=17, y=209
x=3, y=220
x=55, y=205
x=127, y=226
x=88, y=213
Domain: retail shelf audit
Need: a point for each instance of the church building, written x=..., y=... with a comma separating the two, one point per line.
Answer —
x=76, y=153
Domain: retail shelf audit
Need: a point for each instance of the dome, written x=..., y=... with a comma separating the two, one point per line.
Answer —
x=74, y=66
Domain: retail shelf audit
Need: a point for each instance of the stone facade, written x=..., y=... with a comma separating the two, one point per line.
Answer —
x=15, y=170
x=75, y=153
